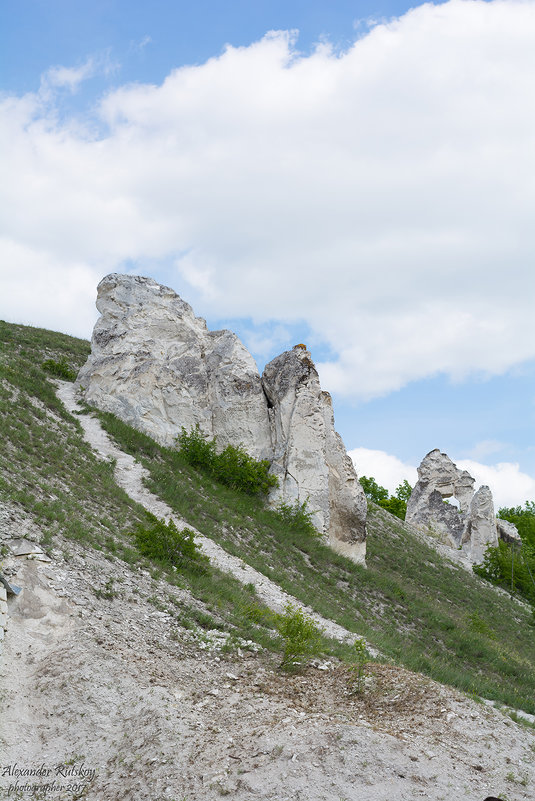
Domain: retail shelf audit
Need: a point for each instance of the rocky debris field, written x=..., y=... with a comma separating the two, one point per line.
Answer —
x=108, y=698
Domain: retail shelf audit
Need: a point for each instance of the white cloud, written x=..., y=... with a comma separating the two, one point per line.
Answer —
x=61, y=77
x=509, y=485
x=387, y=470
x=382, y=195
x=485, y=448
x=46, y=292
x=69, y=77
x=142, y=44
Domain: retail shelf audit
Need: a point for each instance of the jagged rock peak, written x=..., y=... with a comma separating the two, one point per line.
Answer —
x=155, y=365
x=473, y=526
x=309, y=457
x=481, y=529
x=439, y=472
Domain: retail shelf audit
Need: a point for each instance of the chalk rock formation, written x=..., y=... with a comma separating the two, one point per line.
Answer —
x=508, y=532
x=309, y=457
x=157, y=366
x=473, y=526
x=437, y=473
x=481, y=529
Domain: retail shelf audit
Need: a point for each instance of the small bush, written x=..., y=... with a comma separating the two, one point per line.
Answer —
x=232, y=467
x=297, y=518
x=198, y=452
x=395, y=504
x=301, y=637
x=109, y=592
x=164, y=542
x=60, y=369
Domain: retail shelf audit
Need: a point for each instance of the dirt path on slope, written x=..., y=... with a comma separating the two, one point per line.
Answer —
x=129, y=475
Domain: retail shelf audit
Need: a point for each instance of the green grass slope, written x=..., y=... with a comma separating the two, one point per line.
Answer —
x=48, y=469
x=416, y=607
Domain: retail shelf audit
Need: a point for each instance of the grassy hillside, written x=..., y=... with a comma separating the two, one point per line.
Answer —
x=417, y=608
x=48, y=469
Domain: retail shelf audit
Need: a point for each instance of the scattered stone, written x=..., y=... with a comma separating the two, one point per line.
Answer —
x=11, y=589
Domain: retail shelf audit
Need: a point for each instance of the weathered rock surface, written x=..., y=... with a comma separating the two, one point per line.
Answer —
x=473, y=526
x=481, y=529
x=157, y=367
x=309, y=457
x=437, y=473
x=508, y=532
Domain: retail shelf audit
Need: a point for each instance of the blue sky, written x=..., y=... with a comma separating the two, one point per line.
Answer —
x=148, y=40
x=362, y=183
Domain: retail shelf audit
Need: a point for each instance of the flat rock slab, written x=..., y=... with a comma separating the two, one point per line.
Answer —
x=11, y=589
x=22, y=547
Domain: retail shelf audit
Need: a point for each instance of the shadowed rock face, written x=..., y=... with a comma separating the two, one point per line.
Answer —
x=309, y=457
x=481, y=529
x=157, y=366
x=473, y=526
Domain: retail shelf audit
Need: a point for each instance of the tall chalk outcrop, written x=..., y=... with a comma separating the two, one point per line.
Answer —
x=156, y=365
x=473, y=526
x=309, y=457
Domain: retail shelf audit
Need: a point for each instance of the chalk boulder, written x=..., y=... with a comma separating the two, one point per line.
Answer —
x=508, y=532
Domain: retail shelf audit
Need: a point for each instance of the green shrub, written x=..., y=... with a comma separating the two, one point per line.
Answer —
x=60, y=369
x=198, y=452
x=164, y=542
x=232, y=467
x=373, y=490
x=301, y=637
x=296, y=518
x=395, y=504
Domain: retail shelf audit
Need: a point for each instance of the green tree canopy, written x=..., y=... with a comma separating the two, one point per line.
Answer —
x=524, y=519
x=395, y=504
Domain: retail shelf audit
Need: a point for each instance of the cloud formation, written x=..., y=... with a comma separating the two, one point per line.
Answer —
x=388, y=470
x=382, y=195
